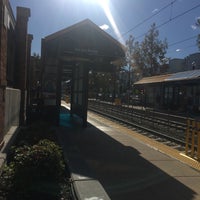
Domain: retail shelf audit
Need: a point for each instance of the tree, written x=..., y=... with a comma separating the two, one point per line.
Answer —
x=138, y=61
x=101, y=84
x=129, y=57
x=149, y=55
x=153, y=51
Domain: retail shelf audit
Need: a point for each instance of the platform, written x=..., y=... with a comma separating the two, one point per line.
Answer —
x=128, y=165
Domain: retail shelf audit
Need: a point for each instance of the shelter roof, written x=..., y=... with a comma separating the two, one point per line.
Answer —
x=152, y=79
x=180, y=76
x=86, y=22
x=186, y=75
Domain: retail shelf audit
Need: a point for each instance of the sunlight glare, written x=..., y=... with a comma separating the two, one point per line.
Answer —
x=108, y=13
x=105, y=6
x=100, y=2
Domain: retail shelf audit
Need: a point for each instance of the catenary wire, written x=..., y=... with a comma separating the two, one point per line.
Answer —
x=148, y=18
x=181, y=41
x=171, y=19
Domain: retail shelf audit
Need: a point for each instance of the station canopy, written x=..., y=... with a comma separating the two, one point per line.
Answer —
x=84, y=42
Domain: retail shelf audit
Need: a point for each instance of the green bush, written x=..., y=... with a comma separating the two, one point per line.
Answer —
x=31, y=135
x=35, y=172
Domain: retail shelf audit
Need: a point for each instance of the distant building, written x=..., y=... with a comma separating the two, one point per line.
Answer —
x=190, y=62
x=176, y=65
x=15, y=47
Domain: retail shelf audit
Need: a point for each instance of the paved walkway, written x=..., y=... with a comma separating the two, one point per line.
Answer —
x=126, y=165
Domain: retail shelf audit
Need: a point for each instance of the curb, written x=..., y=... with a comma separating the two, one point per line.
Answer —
x=9, y=138
x=83, y=184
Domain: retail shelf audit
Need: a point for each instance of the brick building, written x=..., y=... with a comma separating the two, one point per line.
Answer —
x=15, y=46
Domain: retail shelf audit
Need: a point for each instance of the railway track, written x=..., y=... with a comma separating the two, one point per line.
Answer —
x=166, y=128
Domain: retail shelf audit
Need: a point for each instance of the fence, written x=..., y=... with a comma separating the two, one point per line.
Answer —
x=192, y=147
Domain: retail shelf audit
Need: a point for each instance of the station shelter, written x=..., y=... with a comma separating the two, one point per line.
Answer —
x=174, y=92
x=70, y=54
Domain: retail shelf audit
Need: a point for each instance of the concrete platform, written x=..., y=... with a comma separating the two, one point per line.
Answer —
x=126, y=164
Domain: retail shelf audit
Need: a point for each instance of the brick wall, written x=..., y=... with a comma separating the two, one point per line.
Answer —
x=16, y=77
x=23, y=15
x=29, y=74
x=2, y=108
x=3, y=64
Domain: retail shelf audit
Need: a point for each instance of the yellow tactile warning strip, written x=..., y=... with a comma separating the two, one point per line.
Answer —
x=150, y=142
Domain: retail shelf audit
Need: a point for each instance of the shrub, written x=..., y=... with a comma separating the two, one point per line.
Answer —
x=31, y=135
x=34, y=172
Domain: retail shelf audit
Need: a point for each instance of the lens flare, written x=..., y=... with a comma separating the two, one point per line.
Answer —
x=105, y=5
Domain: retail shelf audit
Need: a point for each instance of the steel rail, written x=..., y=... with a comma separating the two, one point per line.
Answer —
x=148, y=121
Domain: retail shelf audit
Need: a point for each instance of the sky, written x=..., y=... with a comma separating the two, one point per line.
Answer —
x=175, y=20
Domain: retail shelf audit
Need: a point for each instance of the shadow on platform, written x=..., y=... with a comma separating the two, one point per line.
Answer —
x=122, y=171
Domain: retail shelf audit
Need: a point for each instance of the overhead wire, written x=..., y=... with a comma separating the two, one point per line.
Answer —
x=171, y=19
x=181, y=41
x=148, y=18
x=166, y=22
x=183, y=48
x=180, y=15
x=190, y=46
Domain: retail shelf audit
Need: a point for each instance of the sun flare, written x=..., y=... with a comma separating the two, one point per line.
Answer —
x=106, y=8
x=100, y=2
